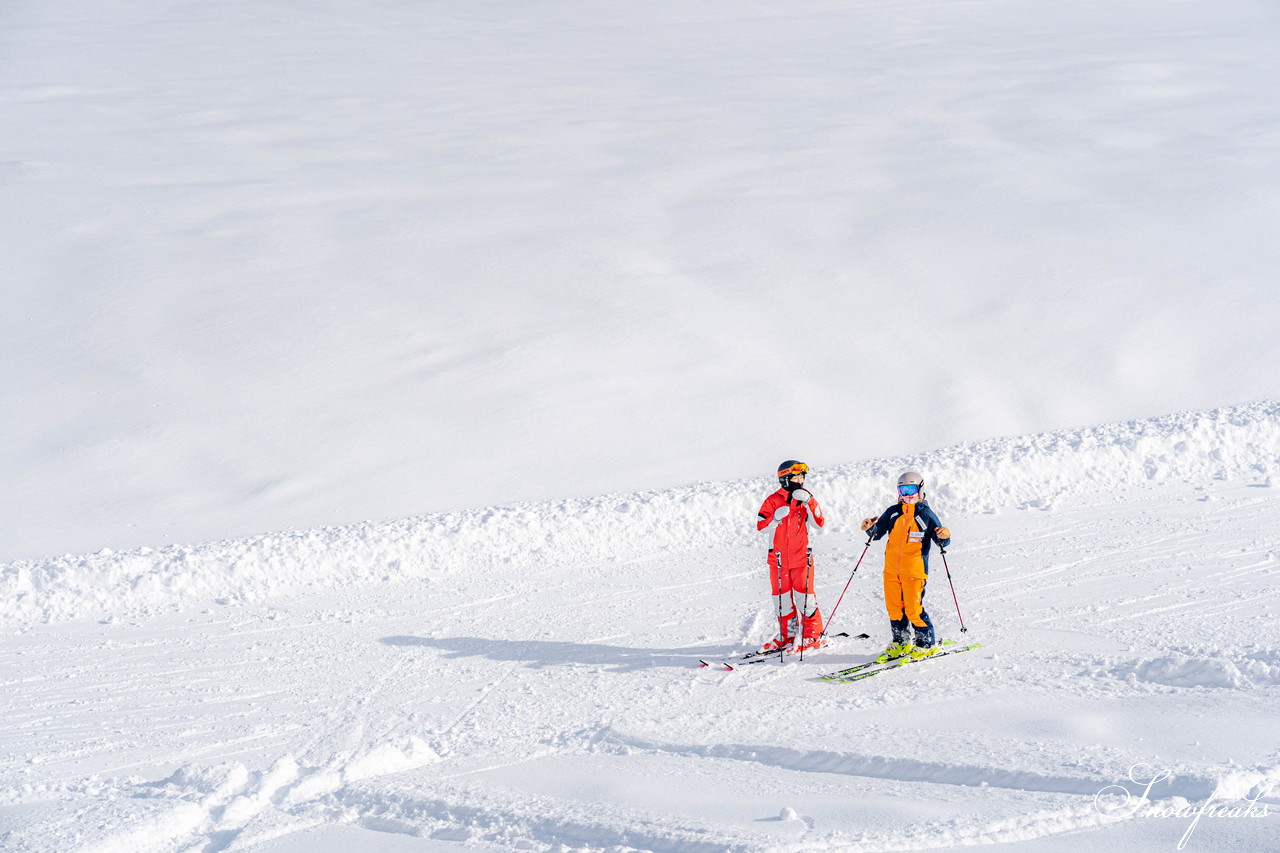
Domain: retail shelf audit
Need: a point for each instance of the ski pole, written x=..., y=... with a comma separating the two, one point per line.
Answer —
x=943, y=551
x=778, y=570
x=832, y=617
x=804, y=613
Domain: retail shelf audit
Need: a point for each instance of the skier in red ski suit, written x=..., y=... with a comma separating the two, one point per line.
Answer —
x=792, y=508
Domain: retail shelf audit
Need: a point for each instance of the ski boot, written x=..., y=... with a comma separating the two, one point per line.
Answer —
x=777, y=644
x=808, y=644
x=895, y=651
x=920, y=652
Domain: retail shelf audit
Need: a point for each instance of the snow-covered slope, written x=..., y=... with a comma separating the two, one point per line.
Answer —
x=275, y=264
x=1103, y=464
x=554, y=285
x=525, y=678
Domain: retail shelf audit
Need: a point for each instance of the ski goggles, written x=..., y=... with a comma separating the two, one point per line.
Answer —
x=909, y=490
x=798, y=468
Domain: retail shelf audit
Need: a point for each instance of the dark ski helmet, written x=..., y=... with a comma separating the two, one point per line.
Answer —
x=786, y=469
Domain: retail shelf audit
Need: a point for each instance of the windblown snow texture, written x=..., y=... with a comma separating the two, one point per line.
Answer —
x=279, y=264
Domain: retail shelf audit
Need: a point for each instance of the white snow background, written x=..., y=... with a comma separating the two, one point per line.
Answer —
x=465, y=337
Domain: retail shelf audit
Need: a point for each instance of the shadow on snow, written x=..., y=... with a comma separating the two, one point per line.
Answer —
x=548, y=653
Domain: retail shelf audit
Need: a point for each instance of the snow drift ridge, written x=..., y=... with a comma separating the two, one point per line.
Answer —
x=1098, y=463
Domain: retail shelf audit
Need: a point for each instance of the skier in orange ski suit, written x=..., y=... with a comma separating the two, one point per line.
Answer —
x=792, y=508
x=912, y=526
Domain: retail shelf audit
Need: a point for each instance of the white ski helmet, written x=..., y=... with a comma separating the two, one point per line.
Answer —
x=911, y=478
x=910, y=487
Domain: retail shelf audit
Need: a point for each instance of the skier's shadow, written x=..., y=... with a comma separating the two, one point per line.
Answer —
x=540, y=653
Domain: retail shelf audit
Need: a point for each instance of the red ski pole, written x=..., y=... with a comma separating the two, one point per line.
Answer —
x=846, y=588
x=943, y=551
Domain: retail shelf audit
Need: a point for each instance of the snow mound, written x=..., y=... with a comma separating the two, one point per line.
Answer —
x=1031, y=472
x=1204, y=668
x=224, y=799
x=390, y=758
x=1181, y=671
x=1262, y=670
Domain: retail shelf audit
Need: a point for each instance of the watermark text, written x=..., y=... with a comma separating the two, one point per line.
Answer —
x=1118, y=801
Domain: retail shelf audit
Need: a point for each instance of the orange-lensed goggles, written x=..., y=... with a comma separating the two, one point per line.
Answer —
x=798, y=468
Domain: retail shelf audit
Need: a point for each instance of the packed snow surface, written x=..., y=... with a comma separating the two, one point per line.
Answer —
x=527, y=677
x=280, y=264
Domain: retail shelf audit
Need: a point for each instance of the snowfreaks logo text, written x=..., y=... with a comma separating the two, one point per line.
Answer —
x=1118, y=802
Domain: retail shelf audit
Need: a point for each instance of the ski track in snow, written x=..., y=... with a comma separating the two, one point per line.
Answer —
x=542, y=693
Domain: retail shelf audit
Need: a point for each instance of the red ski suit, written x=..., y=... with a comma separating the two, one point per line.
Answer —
x=791, y=561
